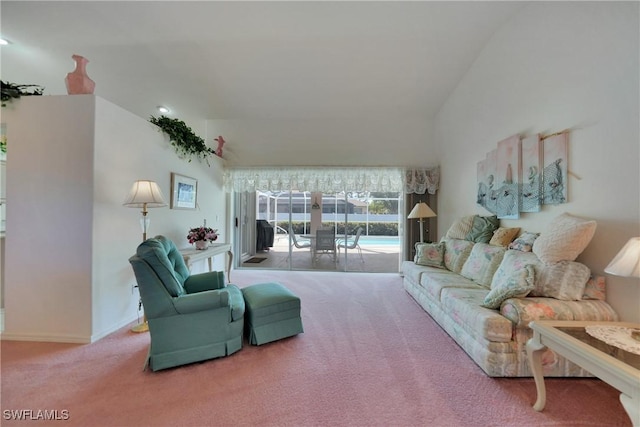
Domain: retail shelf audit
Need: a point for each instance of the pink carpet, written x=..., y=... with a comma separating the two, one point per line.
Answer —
x=370, y=356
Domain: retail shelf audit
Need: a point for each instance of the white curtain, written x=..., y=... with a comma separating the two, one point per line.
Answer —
x=420, y=181
x=320, y=179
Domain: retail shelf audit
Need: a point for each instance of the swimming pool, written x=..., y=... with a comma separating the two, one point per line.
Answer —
x=379, y=240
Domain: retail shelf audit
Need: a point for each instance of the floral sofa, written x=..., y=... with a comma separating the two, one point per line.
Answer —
x=485, y=293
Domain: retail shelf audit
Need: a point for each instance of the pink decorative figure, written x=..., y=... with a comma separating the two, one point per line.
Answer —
x=221, y=142
x=77, y=81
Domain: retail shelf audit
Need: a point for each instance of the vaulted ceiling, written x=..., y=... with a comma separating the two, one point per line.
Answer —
x=255, y=61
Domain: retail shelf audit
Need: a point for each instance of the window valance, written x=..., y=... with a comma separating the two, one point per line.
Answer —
x=420, y=181
x=320, y=179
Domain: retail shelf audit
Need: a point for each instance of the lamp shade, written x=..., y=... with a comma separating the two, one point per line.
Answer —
x=627, y=262
x=143, y=194
x=421, y=210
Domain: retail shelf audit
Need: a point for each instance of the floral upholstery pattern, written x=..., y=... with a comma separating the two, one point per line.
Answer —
x=430, y=254
x=524, y=242
x=456, y=252
x=595, y=288
x=521, y=311
x=496, y=339
x=517, y=285
x=482, y=263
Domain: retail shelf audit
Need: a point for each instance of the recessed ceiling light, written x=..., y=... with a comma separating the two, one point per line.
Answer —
x=4, y=42
x=163, y=110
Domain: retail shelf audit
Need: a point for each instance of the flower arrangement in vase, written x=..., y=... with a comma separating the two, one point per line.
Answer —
x=201, y=236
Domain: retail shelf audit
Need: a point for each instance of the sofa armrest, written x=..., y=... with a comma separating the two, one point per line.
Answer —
x=204, y=282
x=207, y=300
x=521, y=311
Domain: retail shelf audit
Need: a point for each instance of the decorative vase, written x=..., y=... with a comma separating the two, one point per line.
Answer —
x=77, y=81
x=201, y=245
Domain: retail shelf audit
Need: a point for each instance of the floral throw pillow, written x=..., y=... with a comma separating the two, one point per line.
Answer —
x=516, y=285
x=524, y=242
x=430, y=254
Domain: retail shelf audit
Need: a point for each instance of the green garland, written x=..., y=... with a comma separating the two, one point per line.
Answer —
x=11, y=91
x=186, y=143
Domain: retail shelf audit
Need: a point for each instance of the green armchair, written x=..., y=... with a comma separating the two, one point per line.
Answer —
x=191, y=317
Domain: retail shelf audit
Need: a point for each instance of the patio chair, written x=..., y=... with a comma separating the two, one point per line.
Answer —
x=352, y=244
x=325, y=244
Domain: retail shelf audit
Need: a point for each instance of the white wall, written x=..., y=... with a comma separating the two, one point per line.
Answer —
x=556, y=66
x=374, y=141
x=68, y=236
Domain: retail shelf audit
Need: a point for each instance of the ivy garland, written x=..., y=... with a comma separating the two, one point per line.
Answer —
x=11, y=91
x=186, y=143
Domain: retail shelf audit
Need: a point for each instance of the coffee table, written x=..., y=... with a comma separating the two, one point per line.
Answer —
x=613, y=365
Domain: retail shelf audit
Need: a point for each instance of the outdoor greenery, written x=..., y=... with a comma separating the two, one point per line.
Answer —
x=186, y=143
x=11, y=91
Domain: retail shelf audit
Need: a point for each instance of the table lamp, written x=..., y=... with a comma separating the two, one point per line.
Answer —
x=144, y=194
x=627, y=264
x=421, y=211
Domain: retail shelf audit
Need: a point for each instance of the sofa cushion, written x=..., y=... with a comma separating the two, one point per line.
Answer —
x=564, y=280
x=414, y=271
x=430, y=254
x=524, y=242
x=482, y=229
x=516, y=285
x=456, y=252
x=565, y=239
x=482, y=263
x=521, y=311
x=464, y=307
x=460, y=228
x=503, y=236
x=435, y=281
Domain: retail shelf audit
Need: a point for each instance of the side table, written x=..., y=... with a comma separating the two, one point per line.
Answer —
x=613, y=365
x=191, y=255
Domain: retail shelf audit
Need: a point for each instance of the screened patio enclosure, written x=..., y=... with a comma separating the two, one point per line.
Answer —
x=278, y=211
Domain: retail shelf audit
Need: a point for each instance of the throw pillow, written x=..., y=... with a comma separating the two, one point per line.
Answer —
x=503, y=236
x=524, y=242
x=430, y=254
x=482, y=229
x=595, y=288
x=482, y=263
x=564, y=280
x=516, y=285
x=565, y=239
x=460, y=228
x=456, y=252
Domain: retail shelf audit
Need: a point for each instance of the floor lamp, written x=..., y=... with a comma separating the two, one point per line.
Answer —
x=421, y=211
x=144, y=194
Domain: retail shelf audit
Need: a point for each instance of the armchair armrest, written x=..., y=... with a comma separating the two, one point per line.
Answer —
x=206, y=300
x=204, y=282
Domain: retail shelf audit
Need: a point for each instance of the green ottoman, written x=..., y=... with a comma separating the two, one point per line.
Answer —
x=272, y=313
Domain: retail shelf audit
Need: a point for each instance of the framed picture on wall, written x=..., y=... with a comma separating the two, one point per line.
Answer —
x=184, y=192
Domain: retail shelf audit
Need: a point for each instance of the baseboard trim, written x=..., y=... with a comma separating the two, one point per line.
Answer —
x=64, y=338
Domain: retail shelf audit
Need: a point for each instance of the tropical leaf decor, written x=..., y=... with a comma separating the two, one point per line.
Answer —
x=11, y=91
x=186, y=143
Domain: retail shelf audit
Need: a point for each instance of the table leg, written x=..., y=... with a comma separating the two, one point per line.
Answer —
x=534, y=352
x=632, y=406
x=229, y=266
